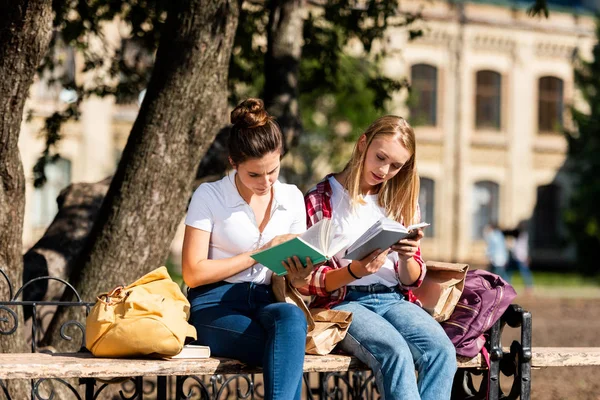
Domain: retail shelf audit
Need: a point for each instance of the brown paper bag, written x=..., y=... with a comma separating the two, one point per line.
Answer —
x=326, y=328
x=441, y=288
x=330, y=328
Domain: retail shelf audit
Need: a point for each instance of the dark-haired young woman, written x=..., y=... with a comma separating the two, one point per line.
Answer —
x=232, y=304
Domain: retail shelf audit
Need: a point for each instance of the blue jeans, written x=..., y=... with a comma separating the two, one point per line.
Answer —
x=517, y=265
x=500, y=271
x=393, y=337
x=243, y=321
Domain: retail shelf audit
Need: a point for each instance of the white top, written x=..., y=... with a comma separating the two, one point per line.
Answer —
x=217, y=207
x=353, y=222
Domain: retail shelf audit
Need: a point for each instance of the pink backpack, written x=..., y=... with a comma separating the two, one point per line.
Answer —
x=484, y=299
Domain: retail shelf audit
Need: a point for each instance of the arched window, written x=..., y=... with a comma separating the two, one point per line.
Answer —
x=423, y=95
x=486, y=200
x=426, y=204
x=488, y=100
x=546, y=217
x=45, y=208
x=550, y=104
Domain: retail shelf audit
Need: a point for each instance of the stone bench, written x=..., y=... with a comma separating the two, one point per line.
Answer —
x=333, y=371
x=60, y=368
x=84, y=365
x=42, y=366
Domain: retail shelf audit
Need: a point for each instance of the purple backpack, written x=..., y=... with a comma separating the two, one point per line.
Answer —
x=484, y=299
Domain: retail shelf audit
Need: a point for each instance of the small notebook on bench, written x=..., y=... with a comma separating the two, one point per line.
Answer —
x=193, y=351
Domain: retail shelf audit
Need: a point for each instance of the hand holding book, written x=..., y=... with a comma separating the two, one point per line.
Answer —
x=297, y=273
x=322, y=241
x=277, y=240
x=383, y=234
x=319, y=243
x=408, y=247
x=369, y=264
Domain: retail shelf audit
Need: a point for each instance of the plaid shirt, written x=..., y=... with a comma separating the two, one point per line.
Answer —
x=318, y=206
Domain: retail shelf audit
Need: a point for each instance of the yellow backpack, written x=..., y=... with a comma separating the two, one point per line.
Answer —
x=147, y=318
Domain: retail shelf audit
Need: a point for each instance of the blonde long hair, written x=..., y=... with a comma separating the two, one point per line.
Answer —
x=398, y=196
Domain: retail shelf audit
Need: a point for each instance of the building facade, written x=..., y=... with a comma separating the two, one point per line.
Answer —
x=491, y=88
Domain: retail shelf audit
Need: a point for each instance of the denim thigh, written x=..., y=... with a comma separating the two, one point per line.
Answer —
x=224, y=315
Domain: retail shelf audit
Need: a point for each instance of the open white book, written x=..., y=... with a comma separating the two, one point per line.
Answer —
x=381, y=235
x=320, y=242
x=193, y=351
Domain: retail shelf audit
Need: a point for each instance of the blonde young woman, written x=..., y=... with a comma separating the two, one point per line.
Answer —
x=388, y=332
x=232, y=305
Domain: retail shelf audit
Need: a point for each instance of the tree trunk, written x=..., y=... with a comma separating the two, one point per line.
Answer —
x=282, y=63
x=184, y=107
x=25, y=28
x=54, y=253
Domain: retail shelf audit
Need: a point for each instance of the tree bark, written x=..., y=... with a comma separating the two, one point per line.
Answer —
x=25, y=28
x=54, y=254
x=184, y=107
x=282, y=63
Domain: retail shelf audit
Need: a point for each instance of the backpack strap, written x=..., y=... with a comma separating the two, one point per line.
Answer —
x=486, y=358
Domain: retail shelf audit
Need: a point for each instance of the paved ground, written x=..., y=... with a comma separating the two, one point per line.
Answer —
x=564, y=321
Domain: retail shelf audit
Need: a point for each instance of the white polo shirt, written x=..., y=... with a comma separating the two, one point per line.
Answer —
x=217, y=207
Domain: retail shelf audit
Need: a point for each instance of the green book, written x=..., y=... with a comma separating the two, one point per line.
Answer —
x=318, y=242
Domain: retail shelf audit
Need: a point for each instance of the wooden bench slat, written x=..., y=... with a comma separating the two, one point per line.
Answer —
x=38, y=365
x=565, y=356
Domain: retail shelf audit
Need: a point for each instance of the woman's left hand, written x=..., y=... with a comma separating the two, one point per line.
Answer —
x=408, y=247
x=298, y=274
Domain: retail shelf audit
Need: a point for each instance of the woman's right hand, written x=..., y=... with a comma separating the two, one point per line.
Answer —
x=278, y=240
x=370, y=264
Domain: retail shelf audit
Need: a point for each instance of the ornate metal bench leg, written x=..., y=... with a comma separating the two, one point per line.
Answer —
x=495, y=357
x=161, y=388
x=525, y=356
x=517, y=363
x=309, y=390
x=5, y=390
x=139, y=387
x=90, y=385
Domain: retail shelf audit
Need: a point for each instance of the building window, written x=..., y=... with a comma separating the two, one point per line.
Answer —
x=423, y=95
x=546, y=218
x=488, y=100
x=426, y=196
x=45, y=208
x=550, y=104
x=486, y=202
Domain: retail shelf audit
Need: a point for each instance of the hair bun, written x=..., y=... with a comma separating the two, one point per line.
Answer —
x=250, y=113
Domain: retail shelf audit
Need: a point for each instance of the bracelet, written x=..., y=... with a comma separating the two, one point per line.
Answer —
x=352, y=273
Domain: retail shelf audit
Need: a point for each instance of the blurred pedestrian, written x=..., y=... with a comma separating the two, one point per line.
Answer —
x=496, y=250
x=519, y=259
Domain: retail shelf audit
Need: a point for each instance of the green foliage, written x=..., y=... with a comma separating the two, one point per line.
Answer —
x=78, y=25
x=334, y=118
x=340, y=95
x=327, y=31
x=357, y=99
x=583, y=214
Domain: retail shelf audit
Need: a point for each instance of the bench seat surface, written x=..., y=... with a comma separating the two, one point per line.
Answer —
x=39, y=365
